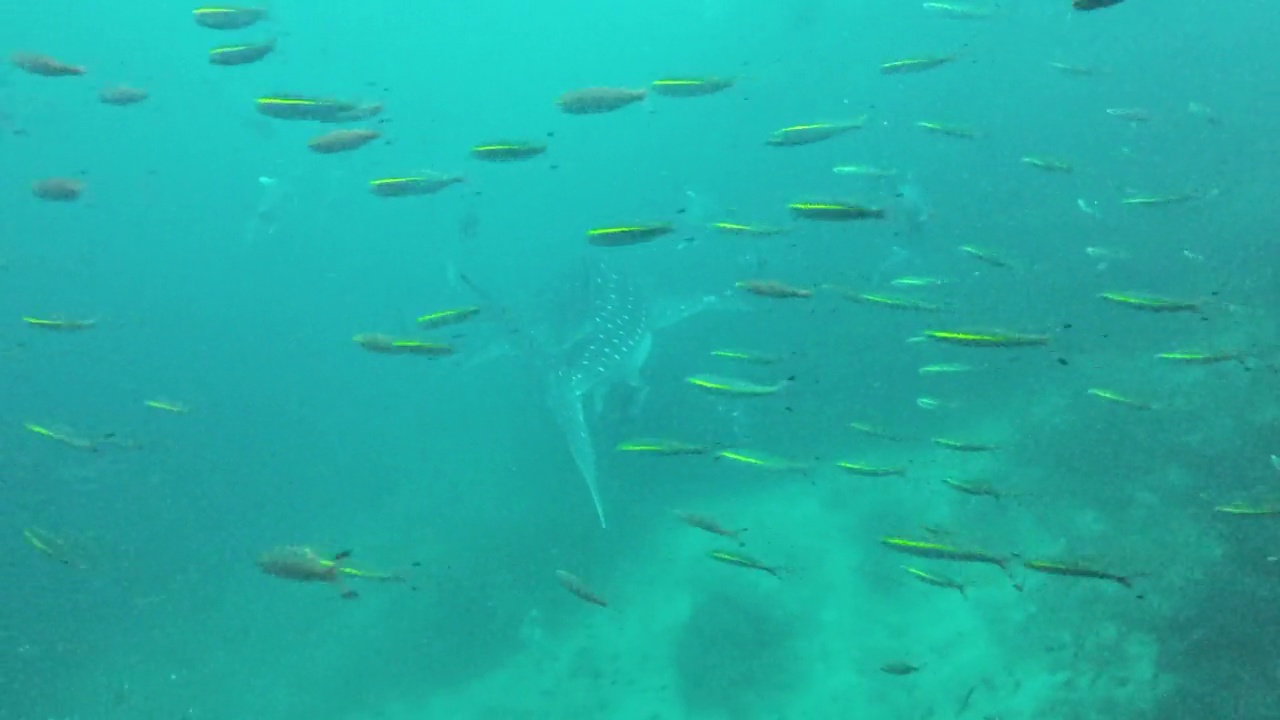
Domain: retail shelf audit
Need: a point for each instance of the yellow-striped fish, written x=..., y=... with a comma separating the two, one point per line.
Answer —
x=241, y=54
x=623, y=235
x=944, y=369
x=1150, y=303
x=941, y=581
x=835, y=211
x=443, y=318
x=750, y=357
x=735, y=387
x=507, y=150
x=986, y=339
x=939, y=551
x=963, y=445
x=685, y=87
x=865, y=470
x=1192, y=357
x=1049, y=164
x=733, y=228
x=168, y=406
x=762, y=460
x=745, y=561
x=915, y=65
x=406, y=186
x=662, y=446
x=955, y=131
x=1244, y=509
x=1115, y=397
x=813, y=132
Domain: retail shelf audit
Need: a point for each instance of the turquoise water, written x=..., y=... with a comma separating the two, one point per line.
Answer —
x=227, y=268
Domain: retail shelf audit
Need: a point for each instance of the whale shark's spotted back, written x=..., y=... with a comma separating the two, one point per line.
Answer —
x=615, y=331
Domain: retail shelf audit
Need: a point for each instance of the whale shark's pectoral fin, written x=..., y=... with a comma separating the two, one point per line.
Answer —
x=639, y=388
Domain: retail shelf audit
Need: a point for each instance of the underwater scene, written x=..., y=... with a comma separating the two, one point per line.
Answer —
x=701, y=360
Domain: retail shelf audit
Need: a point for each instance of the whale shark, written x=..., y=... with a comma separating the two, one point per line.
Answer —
x=589, y=334
x=610, y=349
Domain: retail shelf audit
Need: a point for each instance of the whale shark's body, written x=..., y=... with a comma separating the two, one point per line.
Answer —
x=610, y=349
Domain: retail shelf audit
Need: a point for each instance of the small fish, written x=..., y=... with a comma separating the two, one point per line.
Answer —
x=750, y=357
x=597, y=100
x=1117, y=398
x=877, y=432
x=1086, y=5
x=303, y=564
x=422, y=184
x=987, y=339
x=59, y=324
x=661, y=446
x=1133, y=115
x=1249, y=509
x=745, y=561
x=936, y=580
x=168, y=406
x=387, y=345
x=864, y=170
x=122, y=95
x=443, y=318
x=944, y=368
x=762, y=460
x=960, y=12
x=963, y=445
x=865, y=470
x=812, y=133
x=915, y=281
x=575, y=585
x=773, y=289
x=1067, y=569
x=54, y=547
x=987, y=256
x=686, y=87
x=972, y=488
x=890, y=302
x=1049, y=164
x=623, y=235
x=732, y=228
x=342, y=140
x=228, y=18
x=1106, y=255
x=62, y=436
x=44, y=65
x=835, y=211
x=915, y=65
x=955, y=131
x=706, y=524
x=1159, y=200
x=507, y=150
x=58, y=189
x=1077, y=70
x=1191, y=357
x=899, y=668
x=924, y=402
x=721, y=385
x=289, y=106
x=1150, y=303
x=228, y=55
x=938, y=551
